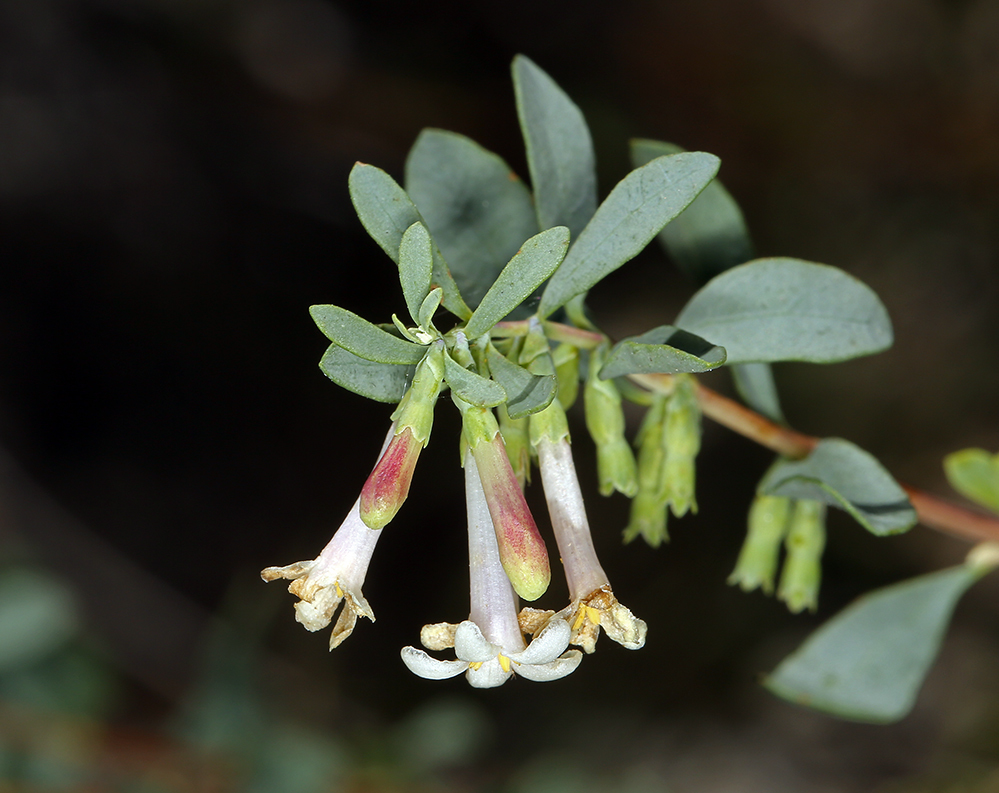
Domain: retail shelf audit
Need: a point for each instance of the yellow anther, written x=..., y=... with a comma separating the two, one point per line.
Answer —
x=593, y=614
x=475, y=664
x=504, y=662
x=339, y=592
x=580, y=618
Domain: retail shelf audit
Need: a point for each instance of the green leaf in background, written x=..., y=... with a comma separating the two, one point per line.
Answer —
x=844, y=475
x=974, y=473
x=788, y=310
x=416, y=266
x=477, y=210
x=530, y=267
x=38, y=616
x=364, y=339
x=710, y=235
x=664, y=349
x=868, y=662
x=526, y=393
x=471, y=386
x=755, y=384
x=386, y=212
x=634, y=212
x=559, y=149
x=382, y=382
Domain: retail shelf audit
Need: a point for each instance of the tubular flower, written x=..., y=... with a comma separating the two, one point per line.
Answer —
x=489, y=645
x=336, y=575
x=592, y=603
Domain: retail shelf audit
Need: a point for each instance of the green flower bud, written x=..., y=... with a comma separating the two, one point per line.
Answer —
x=616, y=466
x=682, y=441
x=767, y=524
x=566, y=360
x=806, y=539
x=648, y=508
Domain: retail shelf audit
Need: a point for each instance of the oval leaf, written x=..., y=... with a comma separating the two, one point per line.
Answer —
x=559, y=149
x=526, y=393
x=710, y=235
x=386, y=211
x=844, y=475
x=536, y=260
x=788, y=310
x=868, y=662
x=634, y=212
x=416, y=267
x=974, y=473
x=477, y=210
x=471, y=386
x=364, y=339
x=382, y=382
x=663, y=349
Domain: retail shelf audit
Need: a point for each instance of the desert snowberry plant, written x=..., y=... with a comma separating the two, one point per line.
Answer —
x=495, y=278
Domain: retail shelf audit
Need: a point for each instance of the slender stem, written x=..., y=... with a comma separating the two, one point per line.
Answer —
x=933, y=511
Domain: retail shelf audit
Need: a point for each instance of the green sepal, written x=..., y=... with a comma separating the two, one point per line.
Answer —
x=416, y=267
x=681, y=442
x=530, y=267
x=843, y=475
x=360, y=337
x=386, y=212
x=535, y=352
x=710, y=235
x=802, y=572
x=974, y=473
x=383, y=382
x=471, y=386
x=868, y=662
x=478, y=211
x=549, y=425
x=784, y=309
x=664, y=349
x=559, y=149
x=634, y=212
x=526, y=393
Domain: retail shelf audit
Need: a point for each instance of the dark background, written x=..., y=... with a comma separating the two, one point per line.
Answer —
x=173, y=197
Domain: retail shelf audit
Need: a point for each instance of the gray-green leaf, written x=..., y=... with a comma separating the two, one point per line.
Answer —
x=536, y=260
x=559, y=149
x=364, y=339
x=382, y=382
x=664, y=349
x=844, y=475
x=478, y=211
x=471, y=386
x=868, y=662
x=788, y=310
x=710, y=235
x=634, y=212
x=526, y=393
x=416, y=267
x=386, y=211
x=974, y=473
x=755, y=384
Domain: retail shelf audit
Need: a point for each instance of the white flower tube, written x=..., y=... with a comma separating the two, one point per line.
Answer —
x=489, y=645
